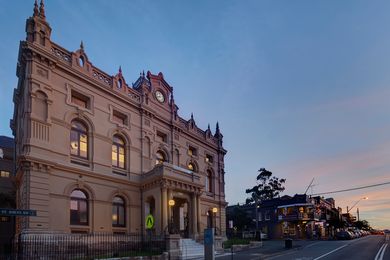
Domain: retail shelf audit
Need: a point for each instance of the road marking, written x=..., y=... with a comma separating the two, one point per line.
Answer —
x=330, y=252
x=381, y=252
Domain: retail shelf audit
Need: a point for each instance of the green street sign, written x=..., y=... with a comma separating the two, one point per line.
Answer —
x=18, y=212
x=149, y=221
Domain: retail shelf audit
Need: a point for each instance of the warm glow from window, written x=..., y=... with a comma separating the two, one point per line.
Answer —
x=190, y=166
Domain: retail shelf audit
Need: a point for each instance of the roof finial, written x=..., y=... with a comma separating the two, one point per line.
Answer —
x=208, y=127
x=36, y=12
x=120, y=69
x=81, y=45
x=217, y=128
x=192, y=116
x=143, y=73
x=42, y=10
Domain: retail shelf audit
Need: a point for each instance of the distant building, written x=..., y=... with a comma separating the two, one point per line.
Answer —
x=7, y=191
x=299, y=216
x=96, y=154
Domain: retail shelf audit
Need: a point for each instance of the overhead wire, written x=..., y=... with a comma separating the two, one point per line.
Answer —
x=352, y=189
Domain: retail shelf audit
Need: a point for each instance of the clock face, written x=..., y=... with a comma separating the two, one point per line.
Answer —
x=160, y=97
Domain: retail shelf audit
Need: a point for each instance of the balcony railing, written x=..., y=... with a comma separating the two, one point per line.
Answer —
x=167, y=170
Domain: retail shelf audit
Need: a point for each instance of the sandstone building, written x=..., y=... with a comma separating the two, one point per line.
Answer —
x=95, y=154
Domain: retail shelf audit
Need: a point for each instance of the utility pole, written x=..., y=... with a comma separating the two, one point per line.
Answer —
x=357, y=212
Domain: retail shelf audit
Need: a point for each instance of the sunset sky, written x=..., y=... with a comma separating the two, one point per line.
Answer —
x=301, y=88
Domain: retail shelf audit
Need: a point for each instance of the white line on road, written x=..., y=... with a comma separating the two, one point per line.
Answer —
x=330, y=252
x=381, y=252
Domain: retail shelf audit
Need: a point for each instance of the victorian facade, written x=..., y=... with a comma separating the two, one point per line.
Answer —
x=95, y=154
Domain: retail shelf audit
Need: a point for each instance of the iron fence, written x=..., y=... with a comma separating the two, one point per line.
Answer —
x=85, y=246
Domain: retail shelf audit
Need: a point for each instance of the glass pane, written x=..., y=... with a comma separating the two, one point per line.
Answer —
x=118, y=200
x=73, y=205
x=74, y=144
x=114, y=155
x=74, y=217
x=83, y=146
x=79, y=126
x=191, y=166
x=121, y=161
x=78, y=194
x=121, y=215
x=114, y=215
x=83, y=212
x=118, y=140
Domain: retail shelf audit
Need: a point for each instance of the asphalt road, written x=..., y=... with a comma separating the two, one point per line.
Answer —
x=365, y=248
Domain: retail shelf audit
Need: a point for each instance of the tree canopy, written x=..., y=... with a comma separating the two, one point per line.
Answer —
x=267, y=187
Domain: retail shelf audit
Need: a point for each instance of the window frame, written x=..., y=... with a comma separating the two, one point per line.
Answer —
x=118, y=147
x=117, y=206
x=159, y=162
x=78, y=201
x=79, y=133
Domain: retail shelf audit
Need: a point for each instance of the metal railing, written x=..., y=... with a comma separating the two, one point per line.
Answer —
x=85, y=246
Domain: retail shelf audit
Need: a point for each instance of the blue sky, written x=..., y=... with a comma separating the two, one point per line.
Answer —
x=299, y=87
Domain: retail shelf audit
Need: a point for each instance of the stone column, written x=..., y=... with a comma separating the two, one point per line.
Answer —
x=198, y=212
x=164, y=208
x=194, y=215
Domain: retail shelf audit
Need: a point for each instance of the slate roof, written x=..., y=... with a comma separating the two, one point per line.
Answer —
x=6, y=142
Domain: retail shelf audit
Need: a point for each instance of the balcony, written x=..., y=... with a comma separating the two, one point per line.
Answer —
x=297, y=217
x=174, y=173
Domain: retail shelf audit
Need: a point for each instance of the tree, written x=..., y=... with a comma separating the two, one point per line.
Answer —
x=240, y=218
x=363, y=224
x=268, y=187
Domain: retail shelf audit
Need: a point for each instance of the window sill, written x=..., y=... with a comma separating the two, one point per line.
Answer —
x=119, y=171
x=80, y=161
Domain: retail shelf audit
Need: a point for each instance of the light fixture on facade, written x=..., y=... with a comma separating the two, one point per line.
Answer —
x=171, y=202
x=215, y=210
x=114, y=217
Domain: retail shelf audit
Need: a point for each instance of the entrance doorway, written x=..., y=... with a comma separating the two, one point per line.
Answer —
x=180, y=222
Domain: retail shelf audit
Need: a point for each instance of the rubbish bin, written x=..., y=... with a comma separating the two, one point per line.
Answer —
x=288, y=243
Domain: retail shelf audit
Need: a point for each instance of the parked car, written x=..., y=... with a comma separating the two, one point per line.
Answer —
x=342, y=235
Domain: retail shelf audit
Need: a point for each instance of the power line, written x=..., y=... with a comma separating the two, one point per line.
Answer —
x=351, y=189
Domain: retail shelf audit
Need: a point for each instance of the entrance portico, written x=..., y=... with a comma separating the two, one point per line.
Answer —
x=176, y=192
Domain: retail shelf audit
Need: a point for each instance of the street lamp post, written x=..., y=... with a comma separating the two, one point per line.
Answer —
x=364, y=198
x=171, y=203
x=215, y=210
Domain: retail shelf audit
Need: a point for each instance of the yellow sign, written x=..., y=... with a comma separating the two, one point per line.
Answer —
x=149, y=221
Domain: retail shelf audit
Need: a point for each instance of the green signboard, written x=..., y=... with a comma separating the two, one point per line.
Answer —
x=18, y=212
x=149, y=221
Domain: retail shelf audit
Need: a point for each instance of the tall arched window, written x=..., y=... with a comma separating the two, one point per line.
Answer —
x=160, y=157
x=118, y=212
x=79, y=139
x=118, y=153
x=209, y=181
x=78, y=208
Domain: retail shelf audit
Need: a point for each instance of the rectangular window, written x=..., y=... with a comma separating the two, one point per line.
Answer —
x=192, y=151
x=162, y=137
x=4, y=174
x=209, y=158
x=119, y=117
x=80, y=100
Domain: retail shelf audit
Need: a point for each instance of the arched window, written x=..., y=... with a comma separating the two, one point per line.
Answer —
x=78, y=208
x=160, y=157
x=192, y=166
x=118, y=212
x=79, y=139
x=118, y=153
x=209, y=181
